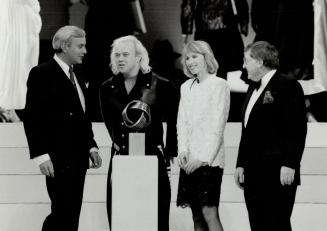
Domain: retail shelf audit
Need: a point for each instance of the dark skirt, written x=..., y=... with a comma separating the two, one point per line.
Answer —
x=200, y=188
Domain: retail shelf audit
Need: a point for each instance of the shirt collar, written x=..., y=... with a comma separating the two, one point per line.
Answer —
x=62, y=64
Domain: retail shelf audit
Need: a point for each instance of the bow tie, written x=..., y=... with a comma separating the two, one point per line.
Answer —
x=256, y=84
x=195, y=80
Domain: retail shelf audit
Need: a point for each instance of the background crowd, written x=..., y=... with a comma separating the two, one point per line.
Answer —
x=225, y=25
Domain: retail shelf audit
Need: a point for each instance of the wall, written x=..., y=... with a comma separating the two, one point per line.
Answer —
x=24, y=202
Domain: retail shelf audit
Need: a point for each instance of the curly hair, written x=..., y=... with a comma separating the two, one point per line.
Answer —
x=139, y=51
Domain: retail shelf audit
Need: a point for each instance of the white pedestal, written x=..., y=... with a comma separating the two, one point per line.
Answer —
x=134, y=193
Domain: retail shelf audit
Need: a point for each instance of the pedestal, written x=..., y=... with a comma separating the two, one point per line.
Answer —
x=134, y=193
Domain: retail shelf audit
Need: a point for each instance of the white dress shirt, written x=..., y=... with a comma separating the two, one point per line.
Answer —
x=256, y=94
x=202, y=116
x=65, y=68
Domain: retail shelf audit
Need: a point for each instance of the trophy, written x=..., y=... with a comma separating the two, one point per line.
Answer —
x=137, y=115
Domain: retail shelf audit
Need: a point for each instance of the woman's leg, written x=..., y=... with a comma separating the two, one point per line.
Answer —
x=198, y=219
x=211, y=216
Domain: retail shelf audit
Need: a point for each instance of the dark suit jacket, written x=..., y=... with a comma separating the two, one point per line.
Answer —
x=55, y=122
x=275, y=133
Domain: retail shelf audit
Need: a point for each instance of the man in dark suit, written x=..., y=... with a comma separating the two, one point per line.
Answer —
x=58, y=132
x=273, y=137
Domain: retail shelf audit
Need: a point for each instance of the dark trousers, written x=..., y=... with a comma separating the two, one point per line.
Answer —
x=66, y=194
x=164, y=195
x=270, y=207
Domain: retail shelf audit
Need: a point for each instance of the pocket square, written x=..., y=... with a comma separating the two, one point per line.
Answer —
x=268, y=98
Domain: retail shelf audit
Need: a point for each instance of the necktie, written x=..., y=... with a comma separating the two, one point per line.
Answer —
x=71, y=77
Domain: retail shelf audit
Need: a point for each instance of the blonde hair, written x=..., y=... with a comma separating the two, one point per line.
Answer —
x=203, y=48
x=140, y=51
x=64, y=36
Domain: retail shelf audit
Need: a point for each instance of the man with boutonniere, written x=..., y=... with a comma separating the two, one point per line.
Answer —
x=58, y=130
x=274, y=129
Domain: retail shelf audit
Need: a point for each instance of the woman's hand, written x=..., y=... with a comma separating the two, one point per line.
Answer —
x=182, y=159
x=192, y=165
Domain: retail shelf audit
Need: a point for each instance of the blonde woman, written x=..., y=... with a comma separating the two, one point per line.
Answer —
x=202, y=116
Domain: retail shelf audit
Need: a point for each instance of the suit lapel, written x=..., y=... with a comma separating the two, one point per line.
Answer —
x=246, y=102
x=67, y=86
x=259, y=101
x=63, y=76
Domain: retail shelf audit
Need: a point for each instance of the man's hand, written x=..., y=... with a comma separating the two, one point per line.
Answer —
x=239, y=177
x=47, y=168
x=286, y=175
x=193, y=165
x=96, y=160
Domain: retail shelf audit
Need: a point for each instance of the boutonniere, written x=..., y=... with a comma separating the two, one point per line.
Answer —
x=268, y=98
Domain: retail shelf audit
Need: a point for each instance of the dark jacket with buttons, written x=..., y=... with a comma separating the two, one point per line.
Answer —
x=55, y=122
x=162, y=97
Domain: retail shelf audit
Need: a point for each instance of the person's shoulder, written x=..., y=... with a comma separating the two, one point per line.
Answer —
x=287, y=83
x=42, y=71
x=109, y=82
x=42, y=66
x=286, y=80
x=218, y=79
x=218, y=82
x=187, y=83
